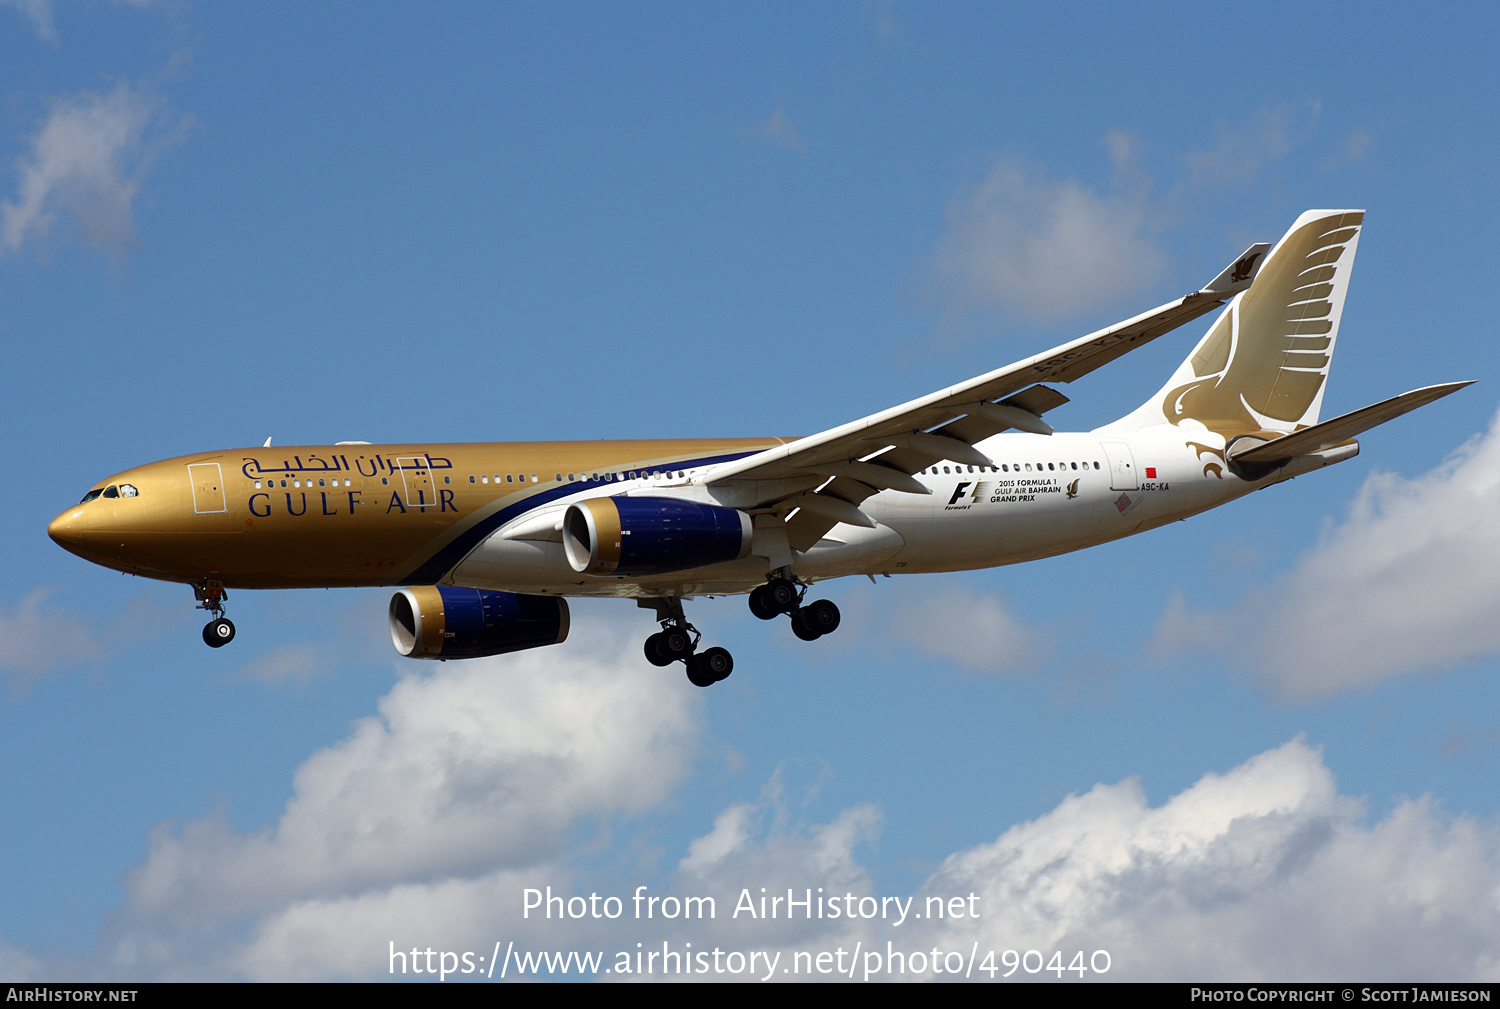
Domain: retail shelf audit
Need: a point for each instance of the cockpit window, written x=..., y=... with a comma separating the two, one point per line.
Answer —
x=111, y=491
x=128, y=490
x=91, y=495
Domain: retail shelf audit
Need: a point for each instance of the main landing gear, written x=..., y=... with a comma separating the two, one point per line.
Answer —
x=219, y=631
x=782, y=595
x=677, y=641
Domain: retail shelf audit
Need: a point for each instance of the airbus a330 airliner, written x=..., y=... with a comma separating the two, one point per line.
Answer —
x=486, y=541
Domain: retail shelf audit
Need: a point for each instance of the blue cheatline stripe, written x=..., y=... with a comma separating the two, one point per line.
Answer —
x=436, y=567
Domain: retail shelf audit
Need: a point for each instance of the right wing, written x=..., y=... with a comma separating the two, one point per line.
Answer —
x=816, y=482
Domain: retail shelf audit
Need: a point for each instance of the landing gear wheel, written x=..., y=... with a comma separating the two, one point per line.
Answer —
x=656, y=653
x=218, y=633
x=803, y=627
x=676, y=643
x=718, y=662
x=698, y=674
x=762, y=605
x=781, y=594
x=822, y=615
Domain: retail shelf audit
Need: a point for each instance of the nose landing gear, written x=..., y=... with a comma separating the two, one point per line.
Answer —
x=677, y=641
x=219, y=631
x=782, y=595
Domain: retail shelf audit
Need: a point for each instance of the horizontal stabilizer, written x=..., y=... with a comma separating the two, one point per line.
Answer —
x=1322, y=436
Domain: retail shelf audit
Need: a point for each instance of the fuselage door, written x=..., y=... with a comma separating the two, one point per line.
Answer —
x=208, y=488
x=416, y=477
x=1121, y=465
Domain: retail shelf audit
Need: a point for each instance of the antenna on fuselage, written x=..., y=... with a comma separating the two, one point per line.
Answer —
x=267, y=444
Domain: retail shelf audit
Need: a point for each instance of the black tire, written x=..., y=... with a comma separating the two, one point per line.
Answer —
x=656, y=654
x=218, y=633
x=718, y=662
x=676, y=643
x=781, y=594
x=698, y=673
x=803, y=628
x=761, y=605
x=822, y=615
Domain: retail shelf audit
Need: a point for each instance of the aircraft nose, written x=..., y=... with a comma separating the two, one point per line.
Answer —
x=67, y=530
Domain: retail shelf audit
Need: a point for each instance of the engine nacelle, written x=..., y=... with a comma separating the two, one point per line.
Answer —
x=443, y=622
x=651, y=535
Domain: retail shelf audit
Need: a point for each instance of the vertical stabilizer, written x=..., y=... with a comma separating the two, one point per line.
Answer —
x=1264, y=363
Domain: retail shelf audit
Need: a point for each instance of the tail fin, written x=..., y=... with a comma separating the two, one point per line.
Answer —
x=1264, y=363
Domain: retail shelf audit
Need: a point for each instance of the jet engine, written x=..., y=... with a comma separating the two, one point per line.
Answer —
x=651, y=535
x=443, y=622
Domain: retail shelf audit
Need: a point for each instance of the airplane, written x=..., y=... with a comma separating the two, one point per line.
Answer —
x=484, y=542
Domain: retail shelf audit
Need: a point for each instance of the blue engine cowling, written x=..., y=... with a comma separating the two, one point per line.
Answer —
x=651, y=535
x=443, y=622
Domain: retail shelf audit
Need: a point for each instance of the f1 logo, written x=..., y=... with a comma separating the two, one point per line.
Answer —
x=959, y=491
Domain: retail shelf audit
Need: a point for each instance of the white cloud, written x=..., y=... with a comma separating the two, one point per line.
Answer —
x=289, y=663
x=351, y=937
x=1409, y=582
x=1265, y=872
x=778, y=130
x=761, y=840
x=36, y=638
x=86, y=163
x=1241, y=150
x=468, y=776
x=40, y=13
x=976, y=632
x=1025, y=244
x=423, y=828
x=18, y=965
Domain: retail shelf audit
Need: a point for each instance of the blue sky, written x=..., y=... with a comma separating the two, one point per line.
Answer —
x=495, y=222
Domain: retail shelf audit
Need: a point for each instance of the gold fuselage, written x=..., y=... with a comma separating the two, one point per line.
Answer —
x=351, y=514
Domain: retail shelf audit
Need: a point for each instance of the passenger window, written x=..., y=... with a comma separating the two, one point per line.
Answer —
x=449, y=479
x=385, y=481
